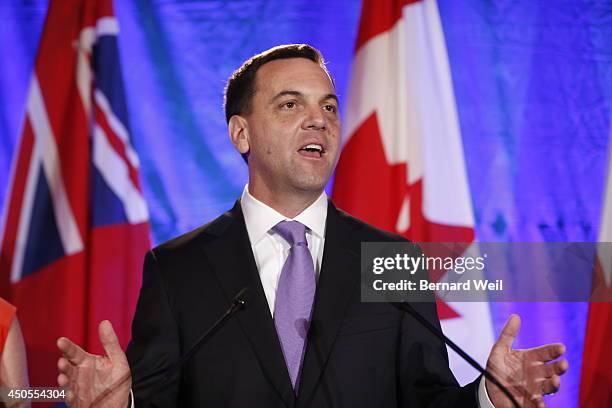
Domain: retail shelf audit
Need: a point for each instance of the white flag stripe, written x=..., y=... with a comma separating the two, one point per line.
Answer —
x=474, y=333
x=445, y=178
x=107, y=26
x=403, y=219
x=446, y=194
x=604, y=252
x=23, y=224
x=115, y=173
x=117, y=127
x=45, y=140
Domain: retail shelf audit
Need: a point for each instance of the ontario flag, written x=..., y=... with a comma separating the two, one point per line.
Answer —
x=596, y=376
x=76, y=222
x=402, y=167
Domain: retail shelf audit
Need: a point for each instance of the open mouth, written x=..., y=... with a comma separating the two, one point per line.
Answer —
x=312, y=150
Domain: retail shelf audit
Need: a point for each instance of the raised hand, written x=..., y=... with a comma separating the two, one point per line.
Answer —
x=92, y=380
x=529, y=374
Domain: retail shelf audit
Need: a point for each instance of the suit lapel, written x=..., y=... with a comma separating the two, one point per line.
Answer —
x=232, y=260
x=337, y=281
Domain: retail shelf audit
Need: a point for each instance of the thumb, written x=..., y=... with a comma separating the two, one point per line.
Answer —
x=109, y=340
x=509, y=332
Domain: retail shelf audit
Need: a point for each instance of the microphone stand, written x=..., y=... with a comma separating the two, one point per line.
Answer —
x=238, y=304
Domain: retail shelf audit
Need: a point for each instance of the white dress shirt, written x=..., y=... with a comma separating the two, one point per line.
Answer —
x=270, y=249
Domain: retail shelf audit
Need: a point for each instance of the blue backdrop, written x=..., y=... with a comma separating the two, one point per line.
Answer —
x=532, y=79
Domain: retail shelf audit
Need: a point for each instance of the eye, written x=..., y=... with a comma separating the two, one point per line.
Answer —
x=289, y=105
x=330, y=108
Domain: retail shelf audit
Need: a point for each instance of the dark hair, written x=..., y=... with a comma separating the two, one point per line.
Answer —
x=240, y=86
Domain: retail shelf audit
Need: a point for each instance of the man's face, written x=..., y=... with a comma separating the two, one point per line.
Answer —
x=293, y=128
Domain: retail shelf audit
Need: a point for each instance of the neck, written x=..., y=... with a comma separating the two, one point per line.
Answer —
x=289, y=205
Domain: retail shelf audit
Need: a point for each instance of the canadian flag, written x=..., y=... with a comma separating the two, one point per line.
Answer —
x=596, y=378
x=401, y=167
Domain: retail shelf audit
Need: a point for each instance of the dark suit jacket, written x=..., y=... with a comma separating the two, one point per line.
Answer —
x=358, y=354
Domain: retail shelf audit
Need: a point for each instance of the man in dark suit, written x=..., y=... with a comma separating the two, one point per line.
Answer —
x=292, y=345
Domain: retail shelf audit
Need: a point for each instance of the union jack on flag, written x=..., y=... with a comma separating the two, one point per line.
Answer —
x=76, y=222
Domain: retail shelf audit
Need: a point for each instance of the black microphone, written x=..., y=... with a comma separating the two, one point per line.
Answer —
x=238, y=304
x=438, y=333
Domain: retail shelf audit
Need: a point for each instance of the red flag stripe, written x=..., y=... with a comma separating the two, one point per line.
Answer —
x=378, y=17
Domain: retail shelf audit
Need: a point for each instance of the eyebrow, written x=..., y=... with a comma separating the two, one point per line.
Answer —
x=301, y=95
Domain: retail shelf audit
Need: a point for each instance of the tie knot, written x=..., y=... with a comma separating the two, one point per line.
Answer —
x=293, y=232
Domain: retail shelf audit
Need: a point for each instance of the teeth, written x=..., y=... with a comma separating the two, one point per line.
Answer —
x=314, y=147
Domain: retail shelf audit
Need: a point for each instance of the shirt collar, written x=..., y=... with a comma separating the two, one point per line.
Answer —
x=260, y=218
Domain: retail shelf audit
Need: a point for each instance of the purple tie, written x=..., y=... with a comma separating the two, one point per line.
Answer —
x=294, y=297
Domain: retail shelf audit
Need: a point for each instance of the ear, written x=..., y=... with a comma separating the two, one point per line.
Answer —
x=239, y=133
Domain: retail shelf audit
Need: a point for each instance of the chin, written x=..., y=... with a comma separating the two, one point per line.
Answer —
x=310, y=185
x=308, y=179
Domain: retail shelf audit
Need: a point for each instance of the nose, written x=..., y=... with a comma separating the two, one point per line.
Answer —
x=315, y=119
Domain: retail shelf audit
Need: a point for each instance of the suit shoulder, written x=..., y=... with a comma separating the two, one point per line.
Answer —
x=368, y=232
x=196, y=237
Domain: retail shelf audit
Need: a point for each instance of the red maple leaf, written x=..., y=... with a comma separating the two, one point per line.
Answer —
x=370, y=188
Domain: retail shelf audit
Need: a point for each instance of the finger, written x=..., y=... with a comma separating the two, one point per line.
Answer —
x=109, y=340
x=544, y=371
x=561, y=367
x=64, y=366
x=62, y=380
x=551, y=385
x=546, y=353
x=71, y=351
x=509, y=332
